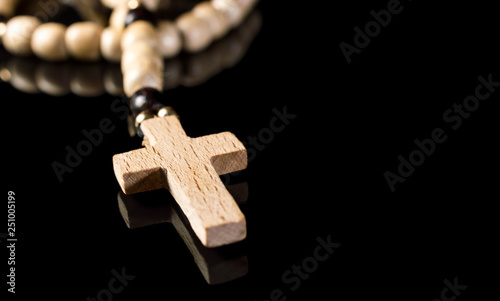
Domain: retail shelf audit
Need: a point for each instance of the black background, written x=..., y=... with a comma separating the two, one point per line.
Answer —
x=321, y=176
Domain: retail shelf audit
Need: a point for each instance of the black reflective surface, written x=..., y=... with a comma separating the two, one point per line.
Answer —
x=323, y=223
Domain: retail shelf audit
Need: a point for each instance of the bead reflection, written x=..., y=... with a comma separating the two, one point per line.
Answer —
x=218, y=265
x=31, y=75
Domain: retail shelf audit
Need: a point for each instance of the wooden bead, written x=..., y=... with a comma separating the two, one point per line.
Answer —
x=137, y=51
x=217, y=21
x=144, y=65
x=156, y=5
x=17, y=37
x=8, y=7
x=117, y=18
x=196, y=32
x=231, y=9
x=134, y=80
x=169, y=39
x=111, y=48
x=246, y=4
x=48, y=42
x=83, y=41
x=139, y=31
x=113, y=3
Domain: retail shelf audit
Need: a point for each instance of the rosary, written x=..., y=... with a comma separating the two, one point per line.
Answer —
x=189, y=168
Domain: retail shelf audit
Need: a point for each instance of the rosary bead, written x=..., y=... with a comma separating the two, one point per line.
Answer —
x=111, y=48
x=17, y=37
x=139, y=31
x=219, y=24
x=139, y=13
x=113, y=3
x=83, y=41
x=169, y=39
x=196, y=32
x=48, y=43
x=144, y=99
x=139, y=50
x=137, y=79
x=231, y=10
x=117, y=17
x=8, y=7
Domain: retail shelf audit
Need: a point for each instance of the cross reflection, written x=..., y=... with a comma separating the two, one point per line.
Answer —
x=218, y=265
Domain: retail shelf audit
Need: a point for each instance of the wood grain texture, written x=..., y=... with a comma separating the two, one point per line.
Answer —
x=190, y=169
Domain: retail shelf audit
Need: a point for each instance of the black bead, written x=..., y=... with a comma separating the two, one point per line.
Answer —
x=139, y=13
x=145, y=99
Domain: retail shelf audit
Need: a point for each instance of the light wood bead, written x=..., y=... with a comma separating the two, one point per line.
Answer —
x=8, y=7
x=219, y=24
x=144, y=64
x=137, y=51
x=134, y=80
x=17, y=37
x=231, y=9
x=196, y=32
x=111, y=48
x=152, y=5
x=48, y=42
x=246, y=4
x=83, y=41
x=117, y=17
x=139, y=31
x=169, y=39
x=113, y=3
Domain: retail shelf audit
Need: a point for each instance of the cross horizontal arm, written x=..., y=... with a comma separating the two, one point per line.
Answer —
x=226, y=153
x=139, y=170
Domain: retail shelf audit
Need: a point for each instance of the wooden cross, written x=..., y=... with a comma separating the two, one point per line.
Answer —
x=190, y=169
